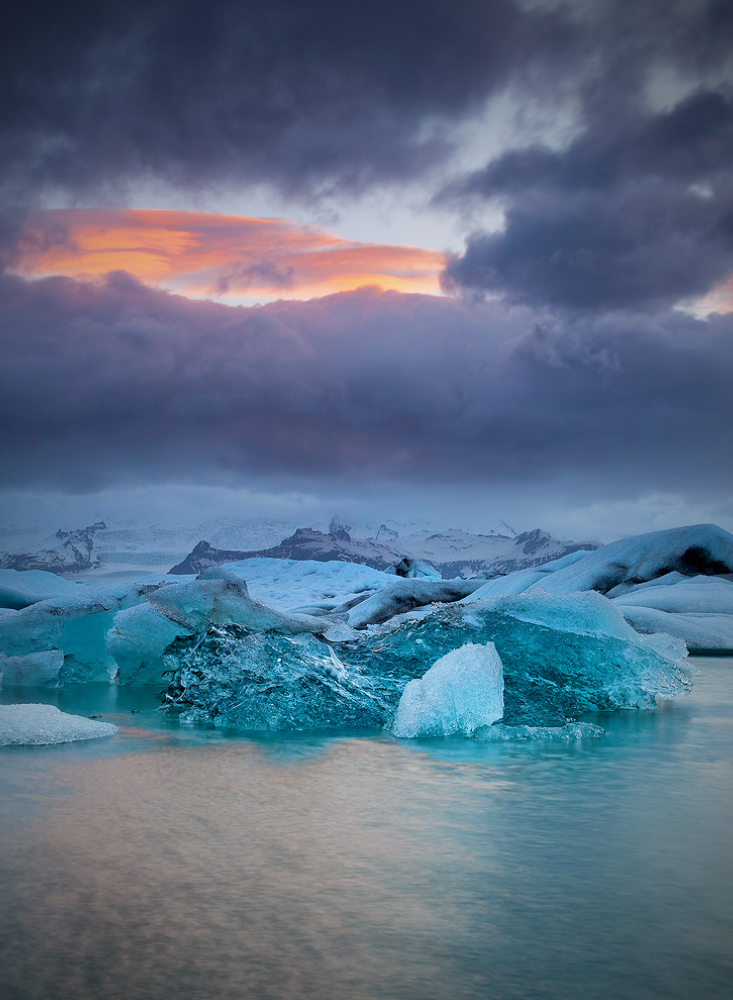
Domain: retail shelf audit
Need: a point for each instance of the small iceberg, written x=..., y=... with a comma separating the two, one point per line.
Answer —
x=462, y=692
x=41, y=725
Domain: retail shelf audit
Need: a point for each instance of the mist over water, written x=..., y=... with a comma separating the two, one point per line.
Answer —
x=195, y=864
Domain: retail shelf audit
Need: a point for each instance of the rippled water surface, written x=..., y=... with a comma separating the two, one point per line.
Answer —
x=193, y=864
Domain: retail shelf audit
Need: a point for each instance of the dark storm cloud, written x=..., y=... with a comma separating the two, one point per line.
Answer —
x=119, y=383
x=637, y=212
x=299, y=93
x=296, y=92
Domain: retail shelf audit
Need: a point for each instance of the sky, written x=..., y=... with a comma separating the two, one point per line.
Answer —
x=448, y=264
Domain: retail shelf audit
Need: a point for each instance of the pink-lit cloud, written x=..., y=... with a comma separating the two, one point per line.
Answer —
x=208, y=255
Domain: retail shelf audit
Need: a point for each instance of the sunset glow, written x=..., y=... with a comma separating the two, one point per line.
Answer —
x=207, y=255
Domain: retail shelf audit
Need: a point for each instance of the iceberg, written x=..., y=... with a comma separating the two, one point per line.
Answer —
x=402, y=595
x=288, y=584
x=19, y=588
x=136, y=642
x=73, y=625
x=32, y=670
x=562, y=656
x=679, y=594
x=41, y=725
x=697, y=610
x=460, y=693
x=219, y=597
x=697, y=631
x=616, y=568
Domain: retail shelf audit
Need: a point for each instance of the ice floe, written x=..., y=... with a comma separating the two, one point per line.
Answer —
x=37, y=725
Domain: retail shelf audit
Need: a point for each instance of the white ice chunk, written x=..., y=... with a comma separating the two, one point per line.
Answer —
x=698, y=631
x=33, y=725
x=697, y=548
x=219, y=597
x=461, y=692
x=20, y=588
x=697, y=594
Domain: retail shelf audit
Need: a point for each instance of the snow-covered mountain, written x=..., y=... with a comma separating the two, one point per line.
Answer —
x=453, y=552
x=67, y=552
x=105, y=549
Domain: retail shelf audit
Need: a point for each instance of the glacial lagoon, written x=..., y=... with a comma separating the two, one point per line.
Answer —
x=185, y=862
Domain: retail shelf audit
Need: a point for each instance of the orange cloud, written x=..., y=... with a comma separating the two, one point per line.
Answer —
x=228, y=257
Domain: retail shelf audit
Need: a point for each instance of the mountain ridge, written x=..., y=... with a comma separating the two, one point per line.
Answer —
x=452, y=553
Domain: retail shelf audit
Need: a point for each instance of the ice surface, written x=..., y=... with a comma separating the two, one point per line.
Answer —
x=219, y=597
x=584, y=614
x=137, y=641
x=414, y=569
x=34, y=725
x=19, y=589
x=551, y=673
x=698, y=631
x=701, y=594
x=696, y=549
x=270, y=681
x=514, y=583
x=461, y=692
x=32, y=670
x=297, y=585
x=401, y=595
x=523, y=579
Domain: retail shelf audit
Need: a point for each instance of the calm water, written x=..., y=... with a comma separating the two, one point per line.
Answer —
x=169, y=863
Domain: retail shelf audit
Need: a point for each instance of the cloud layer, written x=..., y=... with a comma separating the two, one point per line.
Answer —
x=118, y=383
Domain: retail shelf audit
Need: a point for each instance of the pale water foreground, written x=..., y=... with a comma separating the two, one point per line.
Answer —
x=175, y=863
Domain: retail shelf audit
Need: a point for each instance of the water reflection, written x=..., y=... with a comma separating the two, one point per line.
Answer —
x=182, y=863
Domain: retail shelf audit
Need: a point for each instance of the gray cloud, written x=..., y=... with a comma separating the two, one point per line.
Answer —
x=306, y=93
x=294, y=92
x=119, y=383
x=637, y=212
